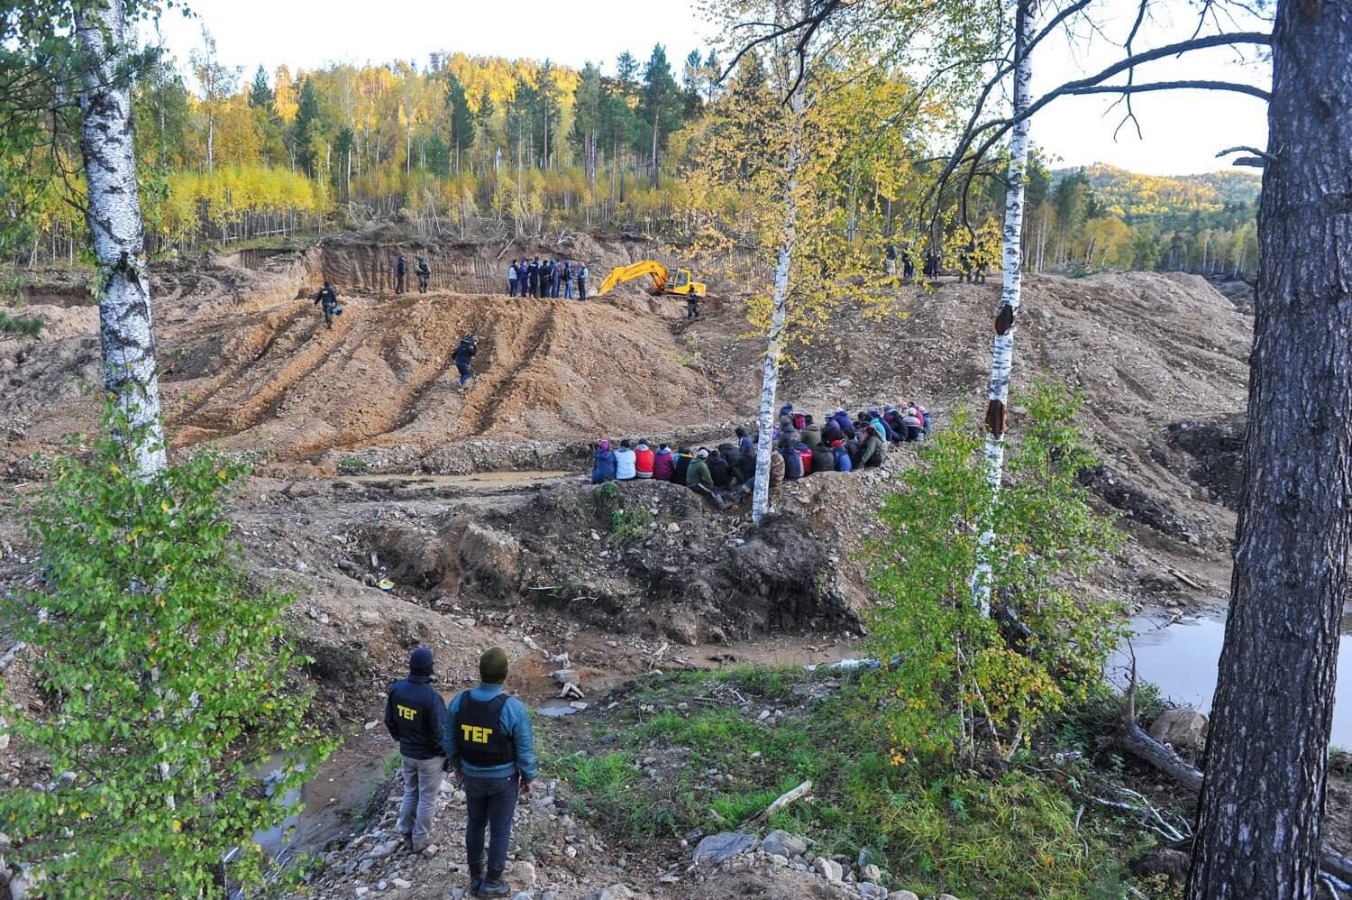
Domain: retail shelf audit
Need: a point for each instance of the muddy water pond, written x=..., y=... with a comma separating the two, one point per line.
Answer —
x=1181, y=659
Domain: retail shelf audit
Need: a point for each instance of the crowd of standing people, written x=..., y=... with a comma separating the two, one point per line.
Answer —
x=549, y=278
x=726, y=474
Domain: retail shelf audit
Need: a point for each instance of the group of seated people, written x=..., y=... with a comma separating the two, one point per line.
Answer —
x=726, y=474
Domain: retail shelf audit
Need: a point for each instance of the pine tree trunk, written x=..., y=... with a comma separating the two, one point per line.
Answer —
x=114, y=218
x=656, y=118
x=1002, y=351
x=774, y=343
x=1263, y=796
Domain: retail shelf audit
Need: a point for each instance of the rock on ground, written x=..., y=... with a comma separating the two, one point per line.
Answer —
x=1184, y=729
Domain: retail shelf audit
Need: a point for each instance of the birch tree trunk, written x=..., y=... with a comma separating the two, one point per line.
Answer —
x=774, y=338
x=1002, y=352
x=114, y=218
x=1267, y=759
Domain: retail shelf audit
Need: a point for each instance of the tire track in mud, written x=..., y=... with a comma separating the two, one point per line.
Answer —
x=259, y=402
x=482, y=411
x=197, y=401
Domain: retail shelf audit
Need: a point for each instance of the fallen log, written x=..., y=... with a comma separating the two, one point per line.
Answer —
x=784, y=800
x=1134, y=740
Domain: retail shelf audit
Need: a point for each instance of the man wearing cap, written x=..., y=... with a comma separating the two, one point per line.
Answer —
x=415, y=716
x=490, y=748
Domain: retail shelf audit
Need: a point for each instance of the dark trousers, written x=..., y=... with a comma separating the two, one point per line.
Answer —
x=489, y=803
x=582, y=289
x=463, y=369
x=511, y=287
x=398, y=284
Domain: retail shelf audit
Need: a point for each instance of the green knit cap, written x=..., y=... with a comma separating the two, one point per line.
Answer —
x=493, y=666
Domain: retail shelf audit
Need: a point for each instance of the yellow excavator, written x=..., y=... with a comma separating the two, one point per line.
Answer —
x=664, y=281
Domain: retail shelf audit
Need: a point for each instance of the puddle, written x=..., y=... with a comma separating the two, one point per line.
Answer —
x=557, y=708
x=1181, y=659
x=335, y=799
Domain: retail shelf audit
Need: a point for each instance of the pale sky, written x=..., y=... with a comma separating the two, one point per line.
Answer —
x=1182, y=130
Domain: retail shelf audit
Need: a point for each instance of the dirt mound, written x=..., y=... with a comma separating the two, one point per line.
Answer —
x=639, y=558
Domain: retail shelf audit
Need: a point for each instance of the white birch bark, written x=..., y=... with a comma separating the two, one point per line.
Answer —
x=114, y=218
x=1002, y=351
x=774, y=347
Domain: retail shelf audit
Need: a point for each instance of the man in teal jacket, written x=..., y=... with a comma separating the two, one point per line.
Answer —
x=490, y=748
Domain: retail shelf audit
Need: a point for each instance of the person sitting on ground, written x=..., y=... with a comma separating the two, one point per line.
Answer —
x=892, y=419
x=842, y=418
x=626, y=468
x=823, y=460
x=719, y=470
x=664, y=464
x=603, y=467
x=805, y=455
x=683, y=458
x=643, y=459
x=793, y=463
x=924, y=417
x=842, y=457
x=744, y=468
x=812, y=434
x=745, y=444
x=913, y=425
x=778, y=470
x=699, y=480
x=854, y=448
x=831, y=431
x=786, y=416
x=874, y=453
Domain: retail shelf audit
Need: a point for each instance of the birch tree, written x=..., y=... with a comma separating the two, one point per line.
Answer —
x=113, y=215
x=779, y=156
x=1002, y=351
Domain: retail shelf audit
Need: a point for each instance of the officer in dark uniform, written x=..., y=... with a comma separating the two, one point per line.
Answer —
x=328, y=300
x=400, y=271
x=424, y=274
x=491, y=751
x=415, y=716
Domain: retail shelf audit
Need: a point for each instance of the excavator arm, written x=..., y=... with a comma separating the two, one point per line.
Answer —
x=655, y=270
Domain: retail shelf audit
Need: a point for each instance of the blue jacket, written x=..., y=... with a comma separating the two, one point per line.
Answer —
x=515, y=721
x=747, y=446
x=843, y=463
x=605, y=467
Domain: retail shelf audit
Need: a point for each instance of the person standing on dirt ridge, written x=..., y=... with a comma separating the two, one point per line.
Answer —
x=328, y=300
x=513, y=274
x=566, y=274
x=400, y=271
x=692, y=305
x=424, y=274
x=469, y=345
x=490, y=751
x=415, y=716
x=582, y=282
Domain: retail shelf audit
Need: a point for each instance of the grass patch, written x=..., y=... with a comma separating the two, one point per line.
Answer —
x=353, y=465
x=689, y=753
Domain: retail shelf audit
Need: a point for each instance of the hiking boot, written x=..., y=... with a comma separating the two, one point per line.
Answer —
x=406, y=842
x=476, y=882
x=494, y=886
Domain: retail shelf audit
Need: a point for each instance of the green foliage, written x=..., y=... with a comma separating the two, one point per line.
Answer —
x=353, y=465
x=168, y=718
x=24, y=326
x=714, y=765
x=958, y=684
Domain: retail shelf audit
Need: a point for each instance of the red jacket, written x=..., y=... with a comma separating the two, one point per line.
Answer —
x=643, y=462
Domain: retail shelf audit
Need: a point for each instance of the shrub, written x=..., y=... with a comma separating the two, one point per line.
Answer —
x=959, y=678
x=168, y=718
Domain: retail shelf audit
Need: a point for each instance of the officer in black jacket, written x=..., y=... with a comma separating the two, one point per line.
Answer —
x=415, y=715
